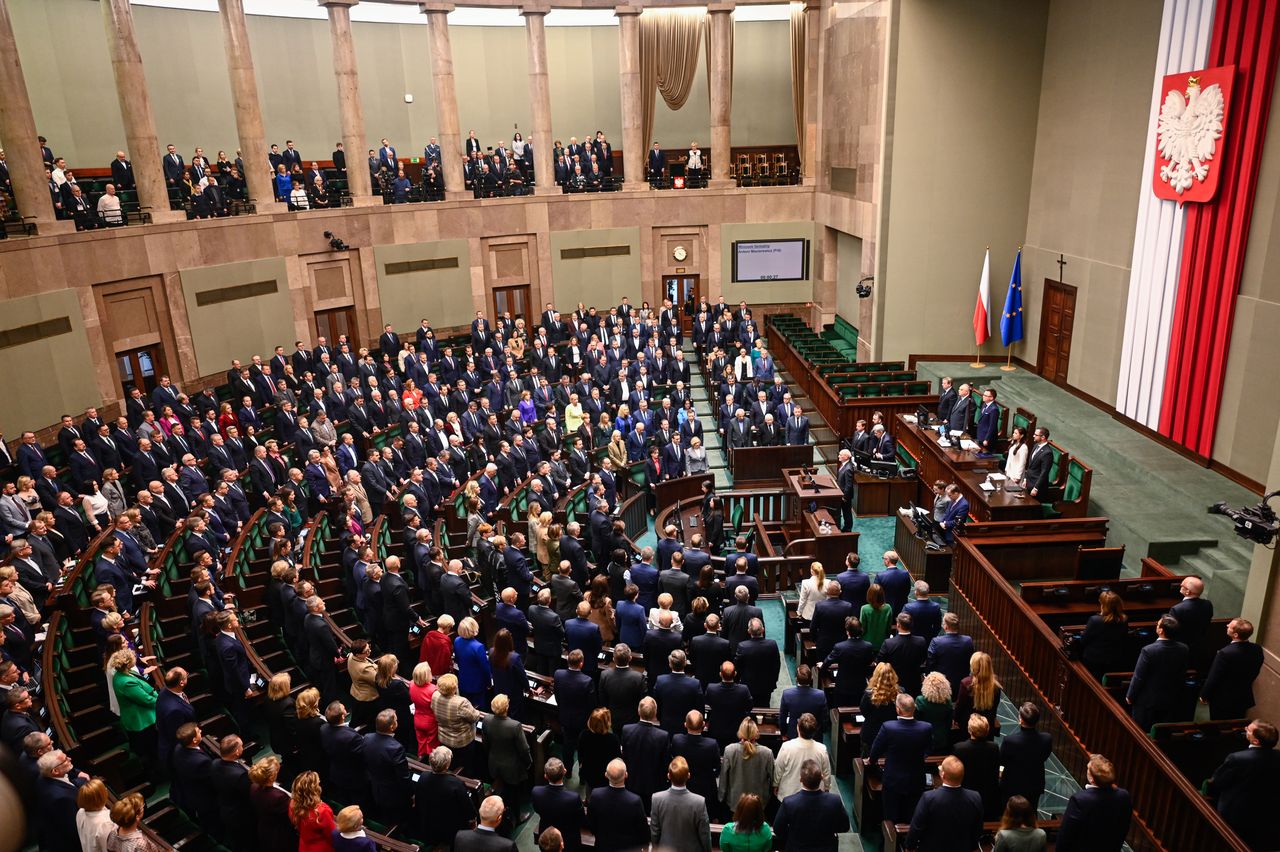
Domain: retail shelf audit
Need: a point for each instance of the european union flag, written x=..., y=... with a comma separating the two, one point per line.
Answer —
x=1011, y=319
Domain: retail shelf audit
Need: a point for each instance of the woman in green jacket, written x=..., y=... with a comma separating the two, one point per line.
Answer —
x=748, y=832
x=875, y=617
x=137, y=698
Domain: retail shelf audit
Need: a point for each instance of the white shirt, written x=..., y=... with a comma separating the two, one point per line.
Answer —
x=94, y=827
x=786, y=769
x=1015, y=465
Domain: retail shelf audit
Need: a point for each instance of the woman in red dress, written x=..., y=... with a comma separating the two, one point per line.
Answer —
x=310, y=816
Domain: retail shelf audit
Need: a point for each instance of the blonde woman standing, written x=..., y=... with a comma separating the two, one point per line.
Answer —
x=93, y=820
x=456, y=718
x=812, y=591
x=877, y=705
x=979, y=693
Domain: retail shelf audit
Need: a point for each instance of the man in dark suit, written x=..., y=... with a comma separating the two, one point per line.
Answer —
x=658, y=644
x=575, y=694
x=173, y=167
x=702, y=753
x=957, y=513
x=1247, y=786
x=739, y=615
x=344, y=752
x=846, y=481
x=797, y=427
x=988, y=427
x=548, y=635
x=1193, y=612
x=18, y=719
x=1159, y=678
x=1097, y=818
x=946, y=400
x=906, y=653
x=853, y=658
x=656, y=162
x=621, y=688
x=388, y=770
x=709, y=650
x=230, y=781
x=55, y=794
x=800, y=699
x=558, y=807
x=173, y=710
x=507, y=615
x=728, y=703
x=322, y=649
x=949, y=818
x=192, y=775
x=616, y=815
x=455, y=594
x=926, y=614
x=828, y=623
x=583, y=634
x=484, y=837
x=397, y=613
x=759, y=661
x=1039, y=464
x=1228, y=690
x=645, y=747
x=1023, y=754
x=949, y=652
x=810, y=820
x=677, y=694
x=904, y=743
x=443, y=803
x=234, y=662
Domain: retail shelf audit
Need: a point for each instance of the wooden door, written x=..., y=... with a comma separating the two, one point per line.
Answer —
x=332, y=324
x=1057, y=321
x=140, y=368
x=517, y=301
x=680, y=289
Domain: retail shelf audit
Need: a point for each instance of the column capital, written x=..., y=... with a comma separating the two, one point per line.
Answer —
x=328, y=3
x=430, y=8
x=721, y=8
x=629, y=9
x=527, y=9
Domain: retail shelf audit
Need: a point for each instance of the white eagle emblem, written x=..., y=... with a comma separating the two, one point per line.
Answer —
x=1188, y=132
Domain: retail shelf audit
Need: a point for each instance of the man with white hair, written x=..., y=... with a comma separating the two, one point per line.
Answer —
x=847, y=481
x=484, y=837
x=56, y=794
x=109, y=212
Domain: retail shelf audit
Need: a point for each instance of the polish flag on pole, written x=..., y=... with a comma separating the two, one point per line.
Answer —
x=982, y=311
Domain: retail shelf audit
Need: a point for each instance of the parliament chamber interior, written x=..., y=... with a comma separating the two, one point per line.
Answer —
x=821, y=426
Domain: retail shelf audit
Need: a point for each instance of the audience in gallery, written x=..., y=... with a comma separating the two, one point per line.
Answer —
x=424, y=422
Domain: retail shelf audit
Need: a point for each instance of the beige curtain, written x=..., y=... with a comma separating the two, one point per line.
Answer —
x=799, y=36
x=669, y=43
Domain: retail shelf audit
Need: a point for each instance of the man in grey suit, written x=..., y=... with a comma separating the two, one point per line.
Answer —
x=678, y=818
x=484, y=837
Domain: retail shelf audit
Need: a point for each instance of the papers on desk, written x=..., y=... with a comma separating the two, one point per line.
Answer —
x=551, y=699
x=966, y=444
x=986, y=486
x=910, y=418
x=996, y=477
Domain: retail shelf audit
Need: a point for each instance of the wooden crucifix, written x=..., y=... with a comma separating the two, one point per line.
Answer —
x=1062, y=262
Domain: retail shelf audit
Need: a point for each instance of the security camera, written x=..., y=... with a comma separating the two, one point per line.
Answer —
x=864, y=287
x=336, y=243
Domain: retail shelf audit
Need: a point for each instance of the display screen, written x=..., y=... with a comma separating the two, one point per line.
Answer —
x=771, y=260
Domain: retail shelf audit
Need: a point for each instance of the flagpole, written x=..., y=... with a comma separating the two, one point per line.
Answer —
x=1008, y=362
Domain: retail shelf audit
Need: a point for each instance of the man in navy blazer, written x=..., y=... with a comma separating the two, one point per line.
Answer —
x=811, y=820
x=949, y=652
x=575, y=694
x=1228, y=690
x=56, y=793
x=949, y=818
x=616, y=815
x=1247, y=786
x=107, y=569
x=191, y=789
x=797, y=427
x=956, y=513
x=1097, y=818
x=800, y=699
x=882, y=448
x=758, y=660
x=926, y=615
x=558, y=807
x=667, y=545
x=741, y=577
x=583, y=634
x=702, y=753
x=853, y=658
x=962, y=413
x=657, y=646
x=853, y=583
x=1159, y=678
x=904, y=743
x=988, y=427
x=895, y=581
x=677, y=694
x=728, y=703
x=234, y=661
x=388, y=769
x=173, y=710
x=828, y=623
x=344, y=749
x=507, y=614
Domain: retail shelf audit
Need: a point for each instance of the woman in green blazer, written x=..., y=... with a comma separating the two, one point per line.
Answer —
x=137, y=698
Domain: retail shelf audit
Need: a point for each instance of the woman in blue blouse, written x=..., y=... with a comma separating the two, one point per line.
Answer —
x=284, y=183
x=508, y=673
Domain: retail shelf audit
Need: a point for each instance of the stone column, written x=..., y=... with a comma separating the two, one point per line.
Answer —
x=350, y=111
x=244, y=97
x=812, y=52
x=18, y=129
x=721, y=90
x=446, y=91
x=544, y=165
x=135, y=108
x=634, y=148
